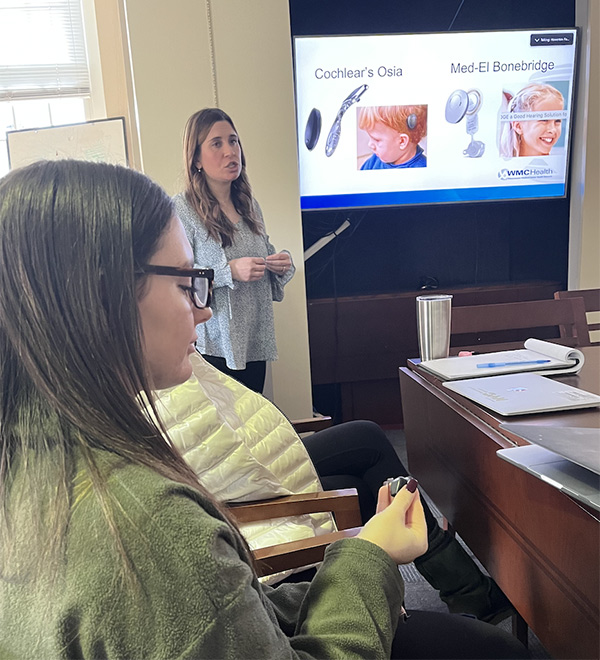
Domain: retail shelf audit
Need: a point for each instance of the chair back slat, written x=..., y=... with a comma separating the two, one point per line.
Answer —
x=508, y=325
x=591, y=301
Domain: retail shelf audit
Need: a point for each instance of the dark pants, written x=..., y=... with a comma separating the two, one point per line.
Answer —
x=436, y=635
x=358, y=455
x=253, y=376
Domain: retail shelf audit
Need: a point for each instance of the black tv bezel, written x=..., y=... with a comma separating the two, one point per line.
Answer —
x=508, y=200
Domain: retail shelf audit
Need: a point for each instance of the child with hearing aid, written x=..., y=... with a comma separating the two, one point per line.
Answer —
x=394, y=134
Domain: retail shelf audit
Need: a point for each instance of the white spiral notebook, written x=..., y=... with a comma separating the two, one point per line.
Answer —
x=538, y=356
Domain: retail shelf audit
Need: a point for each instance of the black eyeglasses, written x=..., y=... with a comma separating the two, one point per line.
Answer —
x=202, y=280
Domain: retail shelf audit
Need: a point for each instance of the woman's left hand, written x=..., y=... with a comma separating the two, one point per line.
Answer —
x=279, y=263
x=399, y=525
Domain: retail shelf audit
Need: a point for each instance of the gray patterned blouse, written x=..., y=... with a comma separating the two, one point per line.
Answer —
x=241, y=329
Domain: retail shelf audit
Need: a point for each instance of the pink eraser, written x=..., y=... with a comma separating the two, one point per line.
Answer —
x=464, y=353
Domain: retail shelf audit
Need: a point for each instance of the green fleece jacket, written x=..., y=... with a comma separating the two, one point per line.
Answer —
x=197, y=597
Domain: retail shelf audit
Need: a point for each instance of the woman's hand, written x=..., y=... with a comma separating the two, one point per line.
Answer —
x=399, y=525
x=247, y=269
x=279, y=263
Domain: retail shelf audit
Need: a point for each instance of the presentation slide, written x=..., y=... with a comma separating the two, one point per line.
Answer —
x=432, y=118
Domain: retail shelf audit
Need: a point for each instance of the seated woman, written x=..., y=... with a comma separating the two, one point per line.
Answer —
x=242, y=448
x=111, y=548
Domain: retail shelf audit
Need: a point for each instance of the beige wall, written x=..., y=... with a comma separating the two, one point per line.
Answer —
x=171, y=68
x=586, y=264
x=256, y=86
x=116, y=72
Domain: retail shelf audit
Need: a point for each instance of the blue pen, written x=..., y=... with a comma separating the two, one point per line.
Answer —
x=491, y=365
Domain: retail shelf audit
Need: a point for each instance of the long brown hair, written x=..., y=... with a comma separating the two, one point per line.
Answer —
x=72, y=237
x=197, y=190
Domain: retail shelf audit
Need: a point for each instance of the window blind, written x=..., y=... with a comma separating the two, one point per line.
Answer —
x=42, y=50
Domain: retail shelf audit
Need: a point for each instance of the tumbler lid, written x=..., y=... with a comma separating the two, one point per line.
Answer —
x=436, y=296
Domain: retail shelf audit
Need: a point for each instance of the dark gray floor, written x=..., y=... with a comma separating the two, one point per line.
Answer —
x=419, y=594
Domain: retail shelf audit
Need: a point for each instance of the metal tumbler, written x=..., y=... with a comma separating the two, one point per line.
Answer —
x=433, y=324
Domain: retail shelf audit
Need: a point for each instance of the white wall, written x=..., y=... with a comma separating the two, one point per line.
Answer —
x=170, y=48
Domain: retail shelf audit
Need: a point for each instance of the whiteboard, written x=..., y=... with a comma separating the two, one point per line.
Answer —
x=102, y=140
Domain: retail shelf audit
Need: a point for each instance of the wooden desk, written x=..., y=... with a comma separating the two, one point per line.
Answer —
x=541, y=546
x=358, y=342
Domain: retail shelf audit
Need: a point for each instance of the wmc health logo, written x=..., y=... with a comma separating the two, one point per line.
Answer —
x=526, y=173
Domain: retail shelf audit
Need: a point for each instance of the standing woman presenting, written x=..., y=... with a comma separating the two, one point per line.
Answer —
x=225, y=227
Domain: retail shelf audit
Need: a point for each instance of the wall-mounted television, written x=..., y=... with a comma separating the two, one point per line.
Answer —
x=403, y=119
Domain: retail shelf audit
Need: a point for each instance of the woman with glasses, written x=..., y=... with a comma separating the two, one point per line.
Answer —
x=110, y=547
x=225, y=226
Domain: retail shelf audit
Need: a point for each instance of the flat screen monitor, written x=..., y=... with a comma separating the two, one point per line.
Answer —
x=403, y=119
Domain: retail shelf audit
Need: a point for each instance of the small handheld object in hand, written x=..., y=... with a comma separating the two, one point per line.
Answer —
x=396, y=484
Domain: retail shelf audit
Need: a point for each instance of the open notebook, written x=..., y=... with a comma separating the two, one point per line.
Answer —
x=537, y=357
x=522, y=394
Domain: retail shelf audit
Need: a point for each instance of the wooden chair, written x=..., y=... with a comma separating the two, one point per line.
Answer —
x=295, y=554
x=305, y=552
x=506, y=326
x=591, y=301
